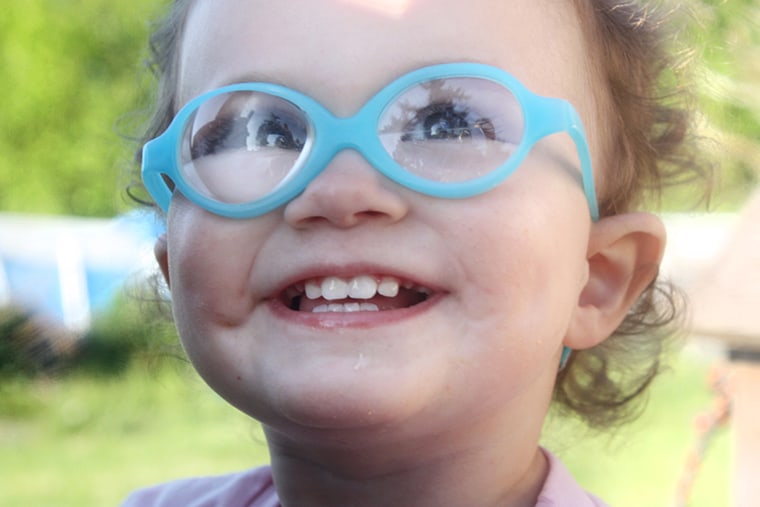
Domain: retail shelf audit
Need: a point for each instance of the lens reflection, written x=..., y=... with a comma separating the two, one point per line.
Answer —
x=240, y=146
x=452, y=130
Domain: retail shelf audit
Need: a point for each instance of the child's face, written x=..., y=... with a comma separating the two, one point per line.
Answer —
x=494, y=279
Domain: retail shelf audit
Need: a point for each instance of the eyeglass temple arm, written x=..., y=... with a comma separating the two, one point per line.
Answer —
x=554, y=116
x=574, y=127
x=157, y=160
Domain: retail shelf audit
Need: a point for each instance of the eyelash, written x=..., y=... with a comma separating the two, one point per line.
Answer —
x=445, y=119
x=211, y=136
x=215, y=134
x=420, y=126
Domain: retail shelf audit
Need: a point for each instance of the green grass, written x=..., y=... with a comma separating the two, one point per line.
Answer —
x=87, y=440
x=641, y=465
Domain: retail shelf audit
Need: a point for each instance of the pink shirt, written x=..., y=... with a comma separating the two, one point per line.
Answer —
x=254, y=488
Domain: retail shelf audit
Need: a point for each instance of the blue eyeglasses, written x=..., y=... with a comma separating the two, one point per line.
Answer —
x=450, y=131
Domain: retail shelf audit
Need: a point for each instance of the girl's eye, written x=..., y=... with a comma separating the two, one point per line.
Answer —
x=274, y=131
x=446, y=121
x=216, y=136
x=252, y=132
x=246, y=121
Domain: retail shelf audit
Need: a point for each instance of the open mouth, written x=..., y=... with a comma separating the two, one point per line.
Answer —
x=362, y=293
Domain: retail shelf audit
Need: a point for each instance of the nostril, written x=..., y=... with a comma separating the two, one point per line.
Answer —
x=346, y=193
x=372, y=214
x=338, y=216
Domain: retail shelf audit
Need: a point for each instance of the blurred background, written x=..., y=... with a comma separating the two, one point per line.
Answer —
x=95, y=396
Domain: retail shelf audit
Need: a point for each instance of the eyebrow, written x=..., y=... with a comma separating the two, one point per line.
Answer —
x=254, y=77
x=248, y=77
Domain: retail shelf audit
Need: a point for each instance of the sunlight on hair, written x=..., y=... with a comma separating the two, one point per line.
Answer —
x=391, y=8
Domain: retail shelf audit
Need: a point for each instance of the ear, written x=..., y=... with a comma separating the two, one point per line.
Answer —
x=161, y=251
x=624, y=255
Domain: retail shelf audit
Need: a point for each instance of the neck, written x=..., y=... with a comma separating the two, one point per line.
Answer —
x=461, y=472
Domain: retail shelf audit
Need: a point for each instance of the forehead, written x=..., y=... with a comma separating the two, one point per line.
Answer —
x=342, y=51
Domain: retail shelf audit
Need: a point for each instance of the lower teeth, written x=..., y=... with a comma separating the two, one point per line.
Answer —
x=346, y=308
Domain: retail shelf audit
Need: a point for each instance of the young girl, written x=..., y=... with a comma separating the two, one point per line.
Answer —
x=386, y=242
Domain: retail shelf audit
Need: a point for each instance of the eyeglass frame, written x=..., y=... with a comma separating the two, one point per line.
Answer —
x=328, y=135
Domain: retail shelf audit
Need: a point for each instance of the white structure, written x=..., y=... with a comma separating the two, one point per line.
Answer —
x=64, y=268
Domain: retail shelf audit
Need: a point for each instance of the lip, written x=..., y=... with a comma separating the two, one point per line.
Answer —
x=275, y=302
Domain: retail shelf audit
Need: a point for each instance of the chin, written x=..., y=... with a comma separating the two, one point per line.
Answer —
x=345, y=405
x=333, y=400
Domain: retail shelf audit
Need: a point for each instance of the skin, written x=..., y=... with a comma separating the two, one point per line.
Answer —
x=442, y=403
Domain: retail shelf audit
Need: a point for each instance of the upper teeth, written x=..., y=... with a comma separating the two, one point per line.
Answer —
x=359, y=287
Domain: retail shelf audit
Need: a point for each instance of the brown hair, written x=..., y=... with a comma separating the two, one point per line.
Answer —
x=163, y=63
x=653, y=146
x=636, y=62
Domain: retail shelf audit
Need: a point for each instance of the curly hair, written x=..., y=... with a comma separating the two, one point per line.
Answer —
x=634, y=45
x=636, y=62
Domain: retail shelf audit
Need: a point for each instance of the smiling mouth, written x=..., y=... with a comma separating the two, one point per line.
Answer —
x=363, y=293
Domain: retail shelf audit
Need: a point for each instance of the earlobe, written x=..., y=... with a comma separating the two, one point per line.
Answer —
x=161, y=251
x=623, y=256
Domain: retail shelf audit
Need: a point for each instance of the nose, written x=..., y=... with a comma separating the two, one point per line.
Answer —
x=347, y=193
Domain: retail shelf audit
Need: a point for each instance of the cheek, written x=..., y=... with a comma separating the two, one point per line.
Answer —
x=527, y=269
x=210, y=261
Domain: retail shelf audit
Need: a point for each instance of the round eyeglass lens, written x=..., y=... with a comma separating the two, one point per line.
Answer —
x=452, y=129
x=238, y=147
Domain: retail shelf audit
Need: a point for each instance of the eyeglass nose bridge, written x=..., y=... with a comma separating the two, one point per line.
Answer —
x=335, y=135
x=332, y=135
